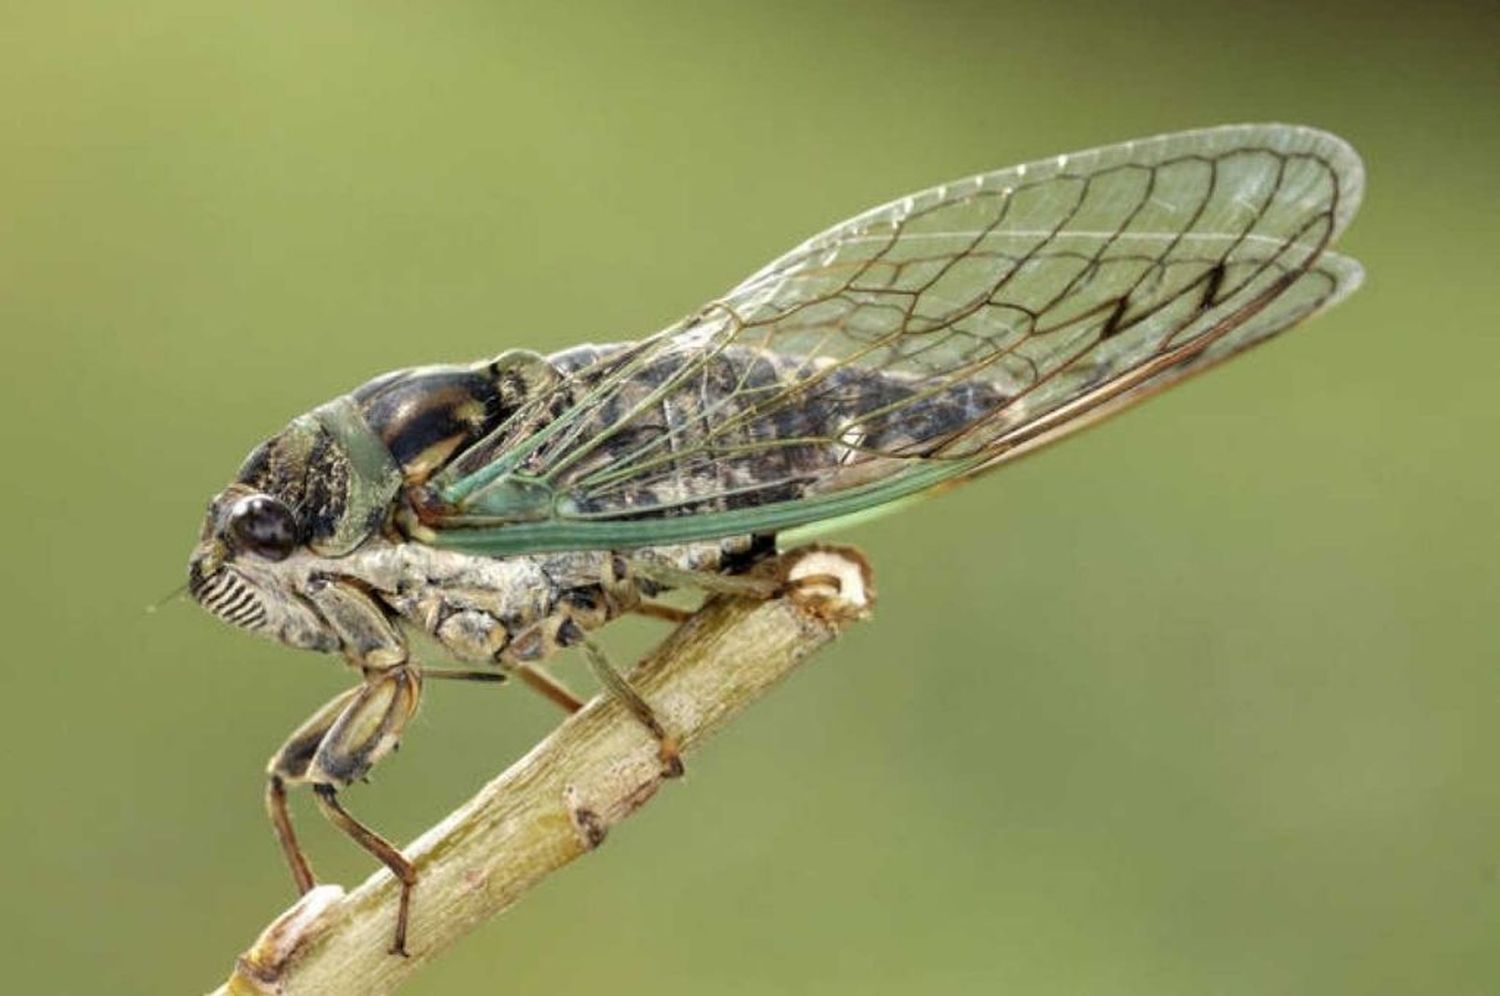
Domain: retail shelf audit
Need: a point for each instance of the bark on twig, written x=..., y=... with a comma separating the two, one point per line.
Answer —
x=560, y=800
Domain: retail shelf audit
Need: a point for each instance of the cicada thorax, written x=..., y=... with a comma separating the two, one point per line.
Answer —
x=427, y=415
x=347, y=467
x=423, y=417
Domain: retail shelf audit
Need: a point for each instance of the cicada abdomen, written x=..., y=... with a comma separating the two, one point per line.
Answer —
x=739, y=429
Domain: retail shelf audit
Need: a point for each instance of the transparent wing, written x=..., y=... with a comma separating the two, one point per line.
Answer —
x=1331, y=279
x=921, y=342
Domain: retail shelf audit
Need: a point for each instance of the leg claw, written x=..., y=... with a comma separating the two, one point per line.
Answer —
x=671, y=760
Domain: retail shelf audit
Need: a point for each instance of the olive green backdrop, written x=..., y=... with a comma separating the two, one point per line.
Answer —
x=1197, y=703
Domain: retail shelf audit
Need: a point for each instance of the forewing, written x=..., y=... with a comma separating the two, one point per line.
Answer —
x=1327, y=282
x=925, y=340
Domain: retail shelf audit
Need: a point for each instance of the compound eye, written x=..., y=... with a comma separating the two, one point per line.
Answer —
x=264, y=526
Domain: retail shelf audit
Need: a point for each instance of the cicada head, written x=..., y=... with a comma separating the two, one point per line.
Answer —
x=237, y=569
x=289, y=505
x=311, y=502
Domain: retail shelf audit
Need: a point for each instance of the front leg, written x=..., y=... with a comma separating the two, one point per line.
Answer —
x=290, y=763
x=338, y=745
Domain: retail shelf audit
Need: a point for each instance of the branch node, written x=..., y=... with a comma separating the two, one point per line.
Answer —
x=591, y=829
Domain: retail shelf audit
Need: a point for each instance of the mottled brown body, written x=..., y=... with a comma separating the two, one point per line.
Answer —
x=709, y=440
x=523, y=608
x=513, y=610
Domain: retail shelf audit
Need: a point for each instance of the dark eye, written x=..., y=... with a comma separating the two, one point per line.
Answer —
x=264, y=526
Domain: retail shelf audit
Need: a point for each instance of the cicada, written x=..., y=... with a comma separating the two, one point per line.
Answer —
x=510, y=506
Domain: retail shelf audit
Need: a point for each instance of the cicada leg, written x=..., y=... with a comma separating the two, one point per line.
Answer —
x=286, y=836
x=338, y=745
x=536, y=678
x=383, y=850
x=614, y=682
x=712, y=582
x=289, y=764
x=554, y=691
x=759, y=587
x=662, y=611
x=463, y=674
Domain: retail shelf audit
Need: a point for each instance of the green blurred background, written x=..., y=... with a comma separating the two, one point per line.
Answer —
x=1197, y=703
